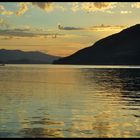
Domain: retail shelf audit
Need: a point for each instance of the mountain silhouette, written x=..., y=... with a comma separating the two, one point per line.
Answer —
x=21, y=57
x=122, y=48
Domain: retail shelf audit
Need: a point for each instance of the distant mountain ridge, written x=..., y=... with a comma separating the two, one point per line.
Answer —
x=122, y=48
x=22, y=57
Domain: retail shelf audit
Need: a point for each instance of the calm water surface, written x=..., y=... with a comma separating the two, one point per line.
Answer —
x=69, y=101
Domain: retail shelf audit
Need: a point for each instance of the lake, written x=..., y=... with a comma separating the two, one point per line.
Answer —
x=69, y=101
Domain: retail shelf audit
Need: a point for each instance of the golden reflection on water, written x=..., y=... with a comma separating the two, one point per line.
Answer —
x=69, y=102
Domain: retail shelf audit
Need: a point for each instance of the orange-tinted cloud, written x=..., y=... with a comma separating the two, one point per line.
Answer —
x=8, y=13
x=23, y=8
x=136, y=5
x=3, y=11
x=97, y=6
x=47, y=6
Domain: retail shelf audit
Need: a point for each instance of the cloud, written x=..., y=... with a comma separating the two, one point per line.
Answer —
x=7, y=37
x=101, y=27
x=103, y=5
x=126, y=12
x=16, y=33
x=92, y=6
x=21, y=32
x=3, y=11
x=23, y=8
x=136, y=5
x=8, y=13
x=74, y=6
x=47, y=6
x=60, y=27
x=97, y=6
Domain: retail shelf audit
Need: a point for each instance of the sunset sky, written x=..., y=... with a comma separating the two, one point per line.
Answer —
x=62, y=28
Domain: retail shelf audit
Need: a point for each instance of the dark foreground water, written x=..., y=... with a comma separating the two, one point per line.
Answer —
x=69, y=101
